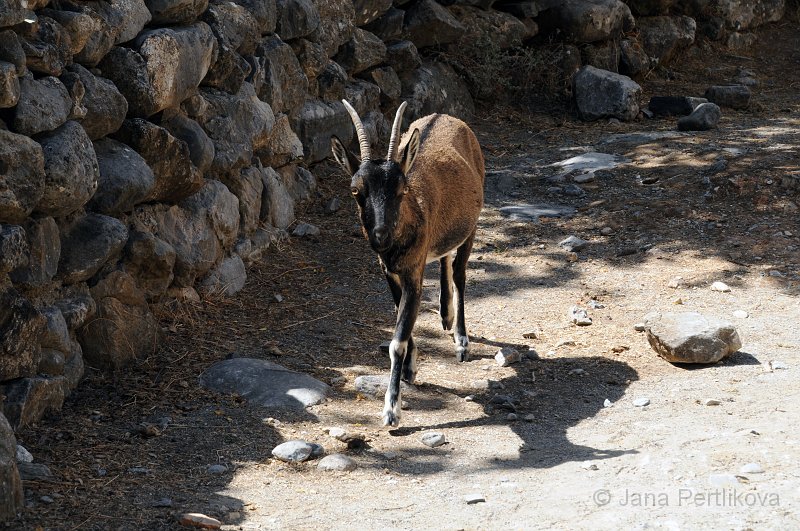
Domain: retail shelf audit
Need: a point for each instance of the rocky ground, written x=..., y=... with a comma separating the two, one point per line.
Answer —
x=715, y=446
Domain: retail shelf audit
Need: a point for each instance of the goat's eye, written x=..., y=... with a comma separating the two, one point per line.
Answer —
x=405, y=190
x=354, y=190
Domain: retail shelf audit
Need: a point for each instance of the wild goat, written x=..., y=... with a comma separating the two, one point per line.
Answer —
x=418, y=205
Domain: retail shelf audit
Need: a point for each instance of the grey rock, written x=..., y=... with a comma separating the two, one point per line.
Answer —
x=387, y=27
x=532, y=212
x=331, y=82
x=579, y=316
x=44, y=104
x=51, y=363
x=264, y=11
x=751, y=468
x=87, y=244
x=228, y=278
x=284, y=147
x=21, y=326
x=311, y=57
x=641, y=402
x=602, y=94
x=264, y=384
x=776, y=365
x=229, y=70
x=317, y=450
x=175, y=11
x=125, y=178
x=573, y=243
x=56, y=332
x=105, y=105
x=74, y=368
x=23, y=455
x=47, y=46
x=151, y=261
x=375, y=385
x=427, y=23
x=9, y=85
x=403, y=56
x=337, y=463
x=633, y=61
x=504, y=30
x=316, y=123
x=436, y=87
x=433, y=439
x=216, y=469
x=11, y=495
x=507, y=356
x=305, y=229
x=296, y=18
x=733, y=96
x=248, y=189
x=29, y=399
x=293, y=451
x=691, y=337
x=364, y=50
x=284, y=83
x=277, y=206
x=163, y=502
x=721, y=287
x=125, y=18
x=174, y=175
x=124, y=328
x=474, y=498
x=337, y=23
x=746, y=15
x=201, y=148
x=97, y=35
x=11, y=50
x=367, y=11
x=77, y=310
x=585, y=22
x=711, y=402
x=234, y=25
x=704, y=117
x=333, y=205
x=664, y=37
x=673, y=105
x=14, y=248
x=238, y=125
x=71, y=170
x=388, y=81
x=78, y=25
x=163, y=69
x=34, y=472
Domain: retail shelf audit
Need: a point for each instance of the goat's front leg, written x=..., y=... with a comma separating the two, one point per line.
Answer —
x=402, y=345
x=460, y=279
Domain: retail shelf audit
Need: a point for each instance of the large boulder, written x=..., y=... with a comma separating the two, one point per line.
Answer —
x=742, y=14
x=124, y=329
x=87, y=244
x=22, y=176
x=11, y=51
x=27, y=400
x=11, y=495
x=367, y=11
x=229, y=71
x=201, y=148
x=234, y=26
x=364, y=50
x=403, y=56
x=71, y=170
x=264, y=11
x=166, y=12
x=200, y=229
x=585, y=21
x=165, y=67
x=336, y=24
x=435, y=87
x=48, y=48
x=228, y=278
x=247, y=188
x=150, y=260
x=44, y=252
x=168, y=157
x=21, y=326
x=100, y=36
x=9, y=85
x=690, y=337
x=389, y=26
x=56, y=332
x=603, y=94
x=284, y=85
x=663, y=37
x=125, y=178
x=125, y=18
x=317, y=123
x=79, y=27
x=296, y=18
x=277, y=205
x=283, y=147
x=427, y=23
x=633, y=60
x=105, y=106
x=13, y=248
x=238, y=125
x=331, y=82
x=501, y=29
x=44, y=104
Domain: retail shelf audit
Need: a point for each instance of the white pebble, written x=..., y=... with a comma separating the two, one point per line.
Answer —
x=751, y=468
x=474, y=498
x=606, y=403
x=433, y=439
x=741, y=314
x=641, y=402
x=720, y=286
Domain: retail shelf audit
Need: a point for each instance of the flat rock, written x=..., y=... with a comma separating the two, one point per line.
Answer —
x=264, y=383
x=704, y=117
x=691, y=337
x=376, y=384
x=532, y=212
x=199, y=520
x=733, y=96
x=751, y=468
x=474, y=498
x=573, y=243
x=433, y=439
x=721, y=287
x=293, y=451
x=641, y=402
x=337, y=462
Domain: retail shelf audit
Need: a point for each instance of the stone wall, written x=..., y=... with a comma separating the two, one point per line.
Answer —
x=151, y=149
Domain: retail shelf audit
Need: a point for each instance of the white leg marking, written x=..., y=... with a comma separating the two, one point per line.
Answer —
x=391, y=412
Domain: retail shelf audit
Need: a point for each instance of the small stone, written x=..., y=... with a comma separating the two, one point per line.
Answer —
x=533, y=334
x=469, y=398
x=217, y=469
x=511, y=417
x=723, y=480
x=577, y=372
x=23, y=455
x=594, y=305
x=579, y=316
x=741, y=314
x=199, y=520
x=163, y=502
x=479, y=384
x=433, y=439
x=506, y=356
x=751, y=468
x=675, y=283
x=712, y=402
x=584, y=178
x=317, y=450
x=720, y=286
x=778, y=365
x=46, y=499
x=530, y=417
x=678, y=301
x=333, y=205
x=337, y=433
x=641, y=402
x=293, y=451
x=606, y=231
x=640, y=327
x=278, y=297
x=572, y=257
x=586, y=465
x=606, y=403
x=338, y=463
x=565, y=343
x=138, y=470
x=474, y=498
x=573, y=243
x=305, y=229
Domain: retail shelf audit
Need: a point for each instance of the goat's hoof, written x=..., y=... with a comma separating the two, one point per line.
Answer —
x=391, y=419
x=409, y=378
x=447, y=323
x=462, y=354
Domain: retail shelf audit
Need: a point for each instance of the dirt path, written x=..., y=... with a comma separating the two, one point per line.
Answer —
x=576, y=464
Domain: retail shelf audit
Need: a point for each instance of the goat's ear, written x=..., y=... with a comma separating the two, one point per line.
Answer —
x=410, y=152
x=345, y=158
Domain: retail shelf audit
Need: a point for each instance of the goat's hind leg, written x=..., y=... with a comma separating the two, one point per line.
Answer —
x=460, y=280
x=446, y=291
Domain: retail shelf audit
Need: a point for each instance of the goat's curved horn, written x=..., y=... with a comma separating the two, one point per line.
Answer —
x=394, y=140
x=363, y=142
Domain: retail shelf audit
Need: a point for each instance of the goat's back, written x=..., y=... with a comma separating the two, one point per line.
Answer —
x=447, y=178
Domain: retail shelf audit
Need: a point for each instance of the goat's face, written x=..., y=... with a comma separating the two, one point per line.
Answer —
x=379, y=188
